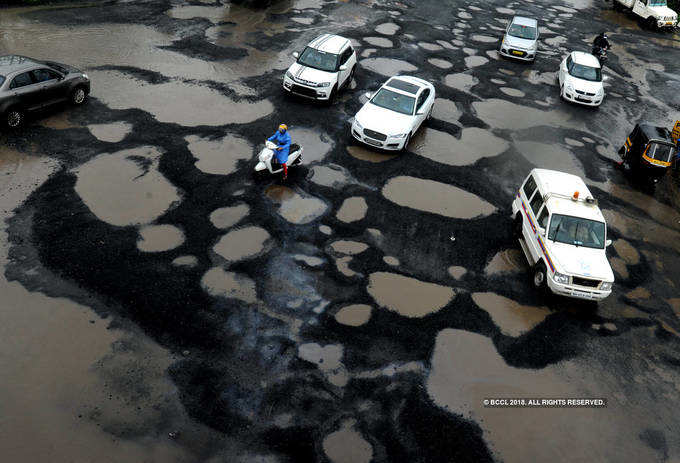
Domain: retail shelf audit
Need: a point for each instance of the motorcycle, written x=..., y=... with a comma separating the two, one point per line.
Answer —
x=267, y=160
x=601, y=55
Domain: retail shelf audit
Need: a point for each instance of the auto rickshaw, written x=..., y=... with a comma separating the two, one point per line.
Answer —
x=650, y=151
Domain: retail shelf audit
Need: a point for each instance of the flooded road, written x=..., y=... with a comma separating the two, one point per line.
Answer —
x=161, y=304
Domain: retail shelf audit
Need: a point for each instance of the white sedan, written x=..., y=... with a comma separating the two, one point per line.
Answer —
x=580, y=77
x=394, y=113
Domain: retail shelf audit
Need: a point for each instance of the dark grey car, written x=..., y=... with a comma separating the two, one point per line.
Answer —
x=28, y=85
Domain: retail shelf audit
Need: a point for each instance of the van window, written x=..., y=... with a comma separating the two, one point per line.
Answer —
x=536, y=203
x=543, y=218
x=529, y=187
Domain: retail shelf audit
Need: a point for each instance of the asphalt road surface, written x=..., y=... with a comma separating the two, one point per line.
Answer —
x=159, y=304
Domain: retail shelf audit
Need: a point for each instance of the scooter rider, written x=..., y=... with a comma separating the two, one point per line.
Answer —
x=282, y=138
x=602, y=41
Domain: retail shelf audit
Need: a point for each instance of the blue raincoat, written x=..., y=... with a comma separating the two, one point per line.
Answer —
x=283, y=140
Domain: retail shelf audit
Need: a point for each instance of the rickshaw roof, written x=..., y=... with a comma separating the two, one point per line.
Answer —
x=653, y=132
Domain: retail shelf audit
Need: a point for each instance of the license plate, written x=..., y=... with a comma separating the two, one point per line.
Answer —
x=582, y=294
x=373, y=142
x=670, y=23
x=518, y=53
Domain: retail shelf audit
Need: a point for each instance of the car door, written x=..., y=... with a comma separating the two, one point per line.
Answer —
x=52, y=86
x=344, y=62
x=527, y=192
x=26, y=91
x=536, y=204
x=640, y=8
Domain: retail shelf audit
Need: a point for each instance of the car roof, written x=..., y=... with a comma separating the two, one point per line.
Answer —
x=561, y=187
x=12, y=63
x=329, y=43
x=585, y=59
x=524, y=21
x=404, y=85
x=654, y=132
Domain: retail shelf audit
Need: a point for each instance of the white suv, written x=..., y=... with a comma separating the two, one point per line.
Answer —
x=580, y=78
x=325, y=66
x=563, y=235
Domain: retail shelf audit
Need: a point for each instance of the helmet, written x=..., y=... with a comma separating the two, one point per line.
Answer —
x=283, y=127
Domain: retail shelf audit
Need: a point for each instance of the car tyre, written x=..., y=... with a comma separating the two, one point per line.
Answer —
x=14, y=118
x=408, y=140
x=517, y=226
x=333, y=96
x=78, y=96
x=351, y=77
x=650, y=22
x=539, y=277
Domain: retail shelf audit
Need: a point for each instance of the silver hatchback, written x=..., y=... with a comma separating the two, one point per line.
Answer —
x=521, y=39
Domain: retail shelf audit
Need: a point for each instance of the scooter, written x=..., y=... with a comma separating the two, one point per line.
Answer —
x=601, y=54
x=267, y=160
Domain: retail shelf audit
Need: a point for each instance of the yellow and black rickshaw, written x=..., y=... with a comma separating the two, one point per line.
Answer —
x=651, y=150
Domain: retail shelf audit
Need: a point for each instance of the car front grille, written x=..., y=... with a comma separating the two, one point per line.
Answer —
x=300, y=90
x=585, y=282
x=584, y=93
x=375, y=135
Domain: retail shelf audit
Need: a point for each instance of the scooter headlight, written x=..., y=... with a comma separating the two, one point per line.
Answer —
x=606, y=286
x=561, y=278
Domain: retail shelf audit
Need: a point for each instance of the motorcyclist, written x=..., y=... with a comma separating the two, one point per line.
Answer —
x=282, y=139
x=602, y=41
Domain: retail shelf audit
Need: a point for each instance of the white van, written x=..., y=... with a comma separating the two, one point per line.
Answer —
x=654, y=13
x=563, y=235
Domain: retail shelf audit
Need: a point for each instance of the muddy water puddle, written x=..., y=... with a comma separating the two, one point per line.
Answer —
x=125, y=188
x=550, y=156
x=297, y=208
x=316, y=143
x=407, y=296
x=220, y=283
x=364, y=154
x=112, y=133
x=378, y=42
x=347, y=445
x=502, y=114
x=435, y=197
x=473, y=145
x=59, y=121
x=627, y=252
x=440, y=63
x=221, y=156
x=387, y=29
x=242, y=243
x=387, y=66
x=226, y=217
x=512, y=318
x=331, y=175
x=159, y=238
x=348, y=247
x=507, y=261
x=352, y=210
x=179, y=102
x=446, y=110
x=461, y=81
x=354, y=315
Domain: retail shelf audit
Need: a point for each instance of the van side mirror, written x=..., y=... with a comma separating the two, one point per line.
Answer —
x=296, y=55
x=608, y=243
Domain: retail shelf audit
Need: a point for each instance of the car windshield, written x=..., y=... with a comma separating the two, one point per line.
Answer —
x=317, y=59
x=577, y=231
x=586, y=72
x=523, y=32
x=657, y=2
x=395, y=101
x=661, y=152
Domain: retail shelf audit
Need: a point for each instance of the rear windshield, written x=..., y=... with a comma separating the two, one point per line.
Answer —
x=523, y=32
x=577, y=231
x=586, y=72
x=661, y=152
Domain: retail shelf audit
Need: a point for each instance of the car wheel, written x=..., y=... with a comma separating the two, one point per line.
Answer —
x=429, y=115
x=562, y=92
x=78, y=96
x=333, y=96
x=517, y=226
x=351, y=77
x=540, y=276
x=650, y=23
x=14, y=118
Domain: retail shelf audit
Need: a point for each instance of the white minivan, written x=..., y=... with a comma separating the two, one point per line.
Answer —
x=563, y=234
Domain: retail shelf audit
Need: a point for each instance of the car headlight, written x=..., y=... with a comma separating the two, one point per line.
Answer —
x=358, y=125
x=400, y=135
x=606, y=286
x=289, y=75
x=561, y=278
x=324, y=84
x=569, y=87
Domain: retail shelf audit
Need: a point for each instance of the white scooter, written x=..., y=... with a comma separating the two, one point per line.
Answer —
x=267, y=160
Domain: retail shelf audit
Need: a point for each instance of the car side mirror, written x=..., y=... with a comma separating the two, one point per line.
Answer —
x=296, y=55
x=608, y=243
x=368, y=95
x=420, y=112
x=343, y=67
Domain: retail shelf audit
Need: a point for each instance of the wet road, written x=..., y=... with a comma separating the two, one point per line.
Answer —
x=161, y=305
